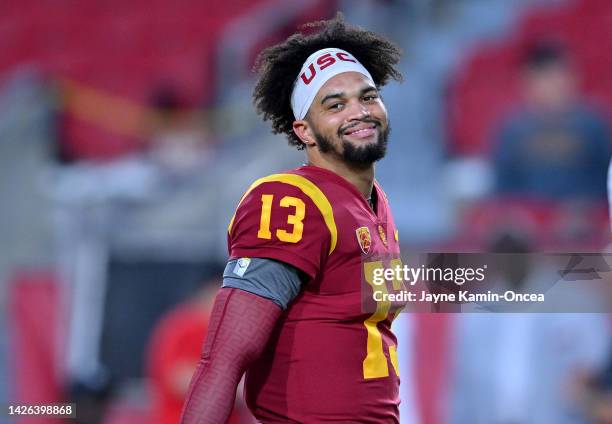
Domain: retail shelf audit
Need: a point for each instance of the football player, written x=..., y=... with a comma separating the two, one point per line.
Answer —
x=291, y=310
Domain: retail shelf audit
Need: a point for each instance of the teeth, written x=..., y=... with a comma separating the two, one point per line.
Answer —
x=361, y=130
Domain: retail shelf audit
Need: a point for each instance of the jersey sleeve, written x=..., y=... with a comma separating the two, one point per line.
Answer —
x=287, y=219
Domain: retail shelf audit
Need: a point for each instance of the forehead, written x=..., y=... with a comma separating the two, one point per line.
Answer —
x=347, y=83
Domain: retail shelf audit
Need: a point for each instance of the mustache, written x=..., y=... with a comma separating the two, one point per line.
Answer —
x=376, y=122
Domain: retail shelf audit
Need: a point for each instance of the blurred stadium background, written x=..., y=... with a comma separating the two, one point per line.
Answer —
x=127, y=135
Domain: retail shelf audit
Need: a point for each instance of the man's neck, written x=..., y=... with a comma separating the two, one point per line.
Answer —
x=361, y=177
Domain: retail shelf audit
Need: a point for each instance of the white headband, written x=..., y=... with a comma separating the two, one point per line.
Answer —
x=316, y=71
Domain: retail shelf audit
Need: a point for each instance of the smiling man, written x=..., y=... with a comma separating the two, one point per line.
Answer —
x=290, y=313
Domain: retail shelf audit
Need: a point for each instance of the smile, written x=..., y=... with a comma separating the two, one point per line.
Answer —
x=361, y=131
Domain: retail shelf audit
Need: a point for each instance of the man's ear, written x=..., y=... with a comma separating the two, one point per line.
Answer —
x=302, y=129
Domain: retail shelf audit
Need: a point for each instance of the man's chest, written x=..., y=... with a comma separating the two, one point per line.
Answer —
x=363, y=238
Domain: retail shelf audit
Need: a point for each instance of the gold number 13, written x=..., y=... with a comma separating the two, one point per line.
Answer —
x=296, y=220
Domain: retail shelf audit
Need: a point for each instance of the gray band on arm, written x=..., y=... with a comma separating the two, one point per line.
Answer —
x=267, y=278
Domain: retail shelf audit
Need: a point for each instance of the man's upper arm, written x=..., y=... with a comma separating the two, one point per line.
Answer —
x=287, y=218
x=274, y=280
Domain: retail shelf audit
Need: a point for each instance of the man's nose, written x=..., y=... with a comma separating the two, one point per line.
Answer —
x=358, y=110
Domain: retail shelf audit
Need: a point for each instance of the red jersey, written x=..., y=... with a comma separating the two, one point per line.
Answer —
x=327, y=359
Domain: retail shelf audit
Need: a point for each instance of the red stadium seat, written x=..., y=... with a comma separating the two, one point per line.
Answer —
x=36, y=338
x=552, y=226
x=477, y=103
x=122, y=48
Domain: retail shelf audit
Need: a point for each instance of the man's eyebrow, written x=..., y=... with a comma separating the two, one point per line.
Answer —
x=332, y=96
x=341, y=94
x=368, y=89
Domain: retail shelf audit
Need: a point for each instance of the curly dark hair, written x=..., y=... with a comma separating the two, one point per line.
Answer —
x=279, y=65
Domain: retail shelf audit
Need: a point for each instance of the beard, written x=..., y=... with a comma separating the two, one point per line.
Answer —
x=356, y=155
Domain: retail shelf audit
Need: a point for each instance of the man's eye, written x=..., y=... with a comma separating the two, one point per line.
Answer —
x=336, y=106
x=370, y=98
